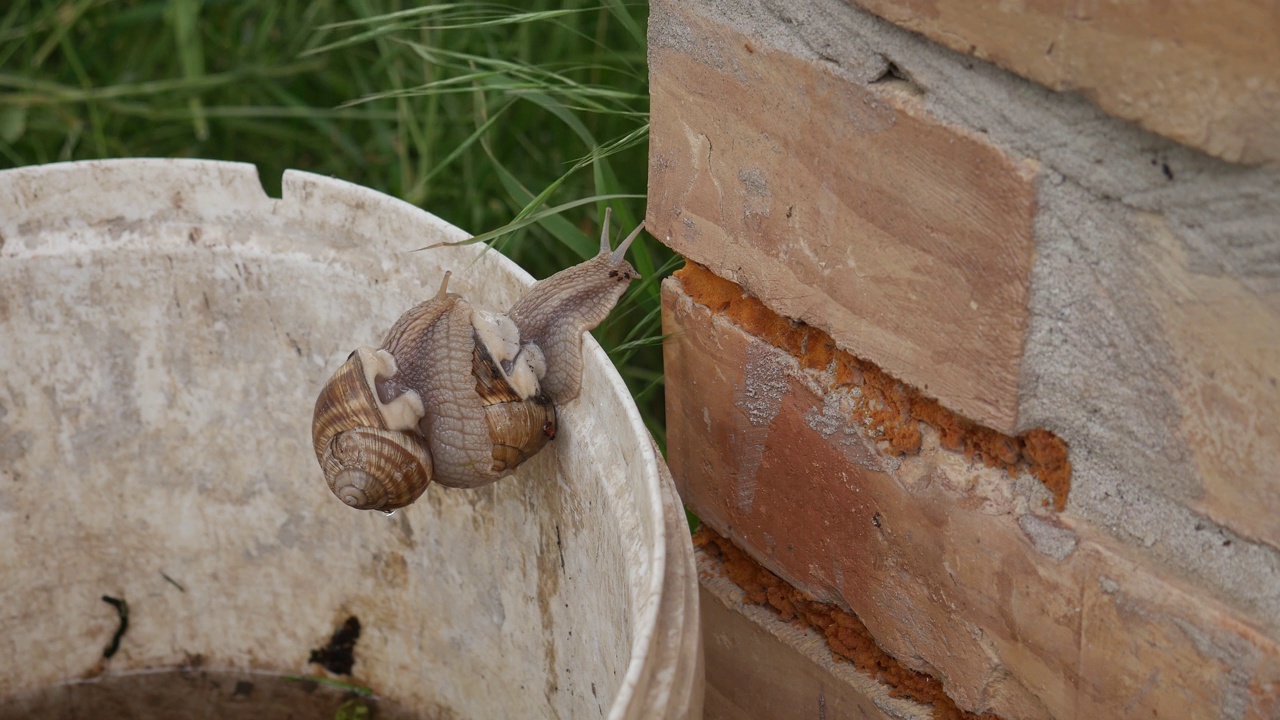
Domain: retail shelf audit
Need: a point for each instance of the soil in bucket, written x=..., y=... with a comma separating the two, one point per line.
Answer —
x=188, y=694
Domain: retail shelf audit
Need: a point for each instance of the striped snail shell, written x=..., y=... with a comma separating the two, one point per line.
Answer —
x=372, y=456
x=458, y=395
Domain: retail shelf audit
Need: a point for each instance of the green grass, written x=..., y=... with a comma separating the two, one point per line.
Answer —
x=485, y=115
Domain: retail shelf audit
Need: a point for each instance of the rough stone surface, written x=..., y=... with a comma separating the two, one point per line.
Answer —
x=959, y=571
x=1153, y=336
x=1205, y=74
x=1162, y=374
x=849, y=207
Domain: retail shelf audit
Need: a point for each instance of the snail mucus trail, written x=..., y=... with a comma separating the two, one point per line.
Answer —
x=458, y=395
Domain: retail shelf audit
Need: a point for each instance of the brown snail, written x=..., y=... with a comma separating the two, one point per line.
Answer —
x=460, y=396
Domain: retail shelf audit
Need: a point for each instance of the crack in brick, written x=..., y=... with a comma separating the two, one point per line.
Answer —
x=889, y=410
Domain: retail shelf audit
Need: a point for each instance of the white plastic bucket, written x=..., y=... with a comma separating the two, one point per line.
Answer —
x=164, y=329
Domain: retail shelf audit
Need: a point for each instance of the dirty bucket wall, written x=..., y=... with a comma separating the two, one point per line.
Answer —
x=166, y=327
x=990, y=370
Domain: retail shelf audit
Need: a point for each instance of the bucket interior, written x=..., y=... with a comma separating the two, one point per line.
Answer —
x=164, y=338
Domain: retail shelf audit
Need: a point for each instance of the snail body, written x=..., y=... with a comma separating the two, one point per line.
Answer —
x=458, y=395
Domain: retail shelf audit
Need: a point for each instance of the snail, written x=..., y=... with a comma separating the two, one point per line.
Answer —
x=458, y=395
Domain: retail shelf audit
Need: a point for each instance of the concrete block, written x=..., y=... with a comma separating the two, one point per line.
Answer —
x=958, y=570
x=1207, y=75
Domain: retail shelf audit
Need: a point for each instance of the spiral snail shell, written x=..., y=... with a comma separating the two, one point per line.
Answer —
x=458, y=395
x=370, y=453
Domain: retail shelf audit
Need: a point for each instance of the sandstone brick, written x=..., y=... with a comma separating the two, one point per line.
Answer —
x=1222, y=335
x=762, y=668
x=958, y=570
x=844, y=205
x=1204, y=74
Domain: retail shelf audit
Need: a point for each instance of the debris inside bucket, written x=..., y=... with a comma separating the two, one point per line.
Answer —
x=339, y=655
x=122, y=612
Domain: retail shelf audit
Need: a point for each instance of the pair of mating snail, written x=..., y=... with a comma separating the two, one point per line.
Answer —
x=458, y=395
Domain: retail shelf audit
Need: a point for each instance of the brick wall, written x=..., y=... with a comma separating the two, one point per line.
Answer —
x=990, y=368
